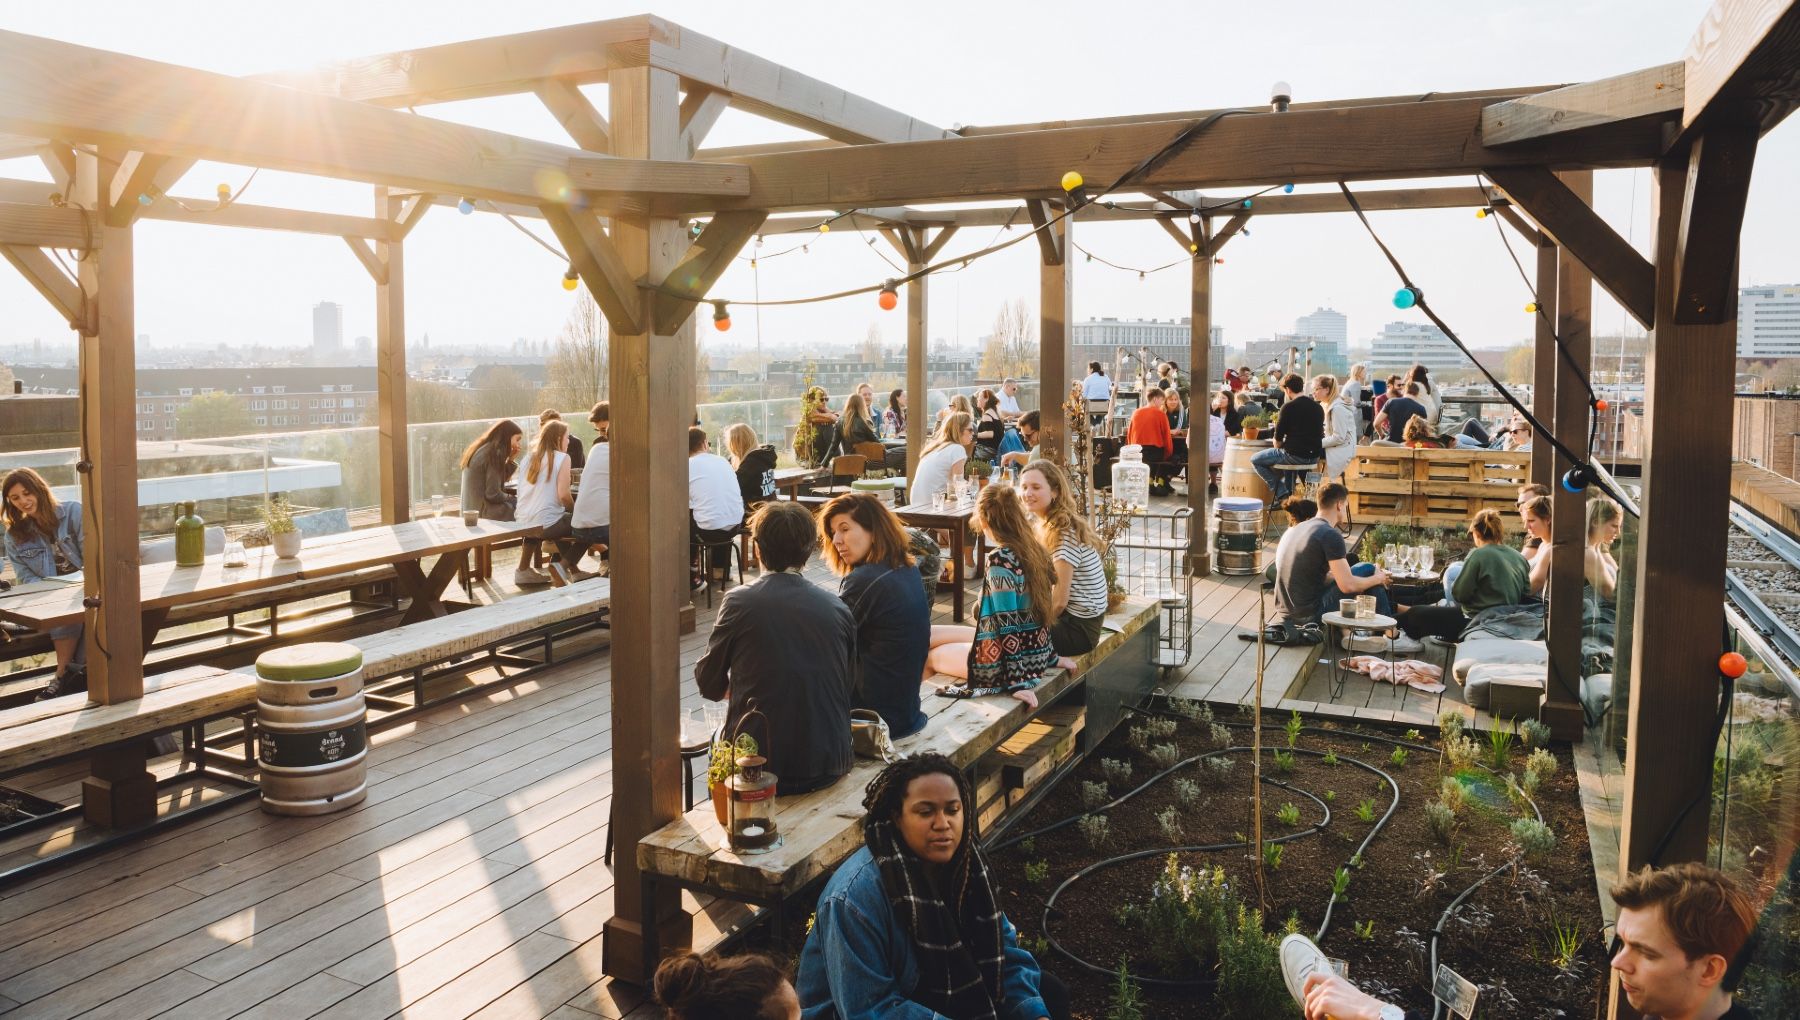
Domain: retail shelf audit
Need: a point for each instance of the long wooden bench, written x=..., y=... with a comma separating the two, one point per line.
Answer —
x=822, y=828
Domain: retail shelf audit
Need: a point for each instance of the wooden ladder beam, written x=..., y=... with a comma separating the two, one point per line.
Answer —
x=1618, y=267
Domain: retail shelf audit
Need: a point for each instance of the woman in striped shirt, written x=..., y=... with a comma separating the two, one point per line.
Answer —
x=1079, y=600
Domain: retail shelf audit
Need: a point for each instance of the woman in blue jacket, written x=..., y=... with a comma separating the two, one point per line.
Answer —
x=910, y=927
x=43, y=539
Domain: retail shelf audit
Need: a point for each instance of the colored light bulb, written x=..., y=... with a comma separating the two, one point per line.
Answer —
x=1071, y=181
x=1406, y=297
x=1481, y=214
x=1733, y=665
x=1531, y=306
x=570, y=279
x=1287, y=189
x=824, y=228
x=887, y=299
x=465, y=206
x=721, y=317
x=1248, y=203
x=143, y=200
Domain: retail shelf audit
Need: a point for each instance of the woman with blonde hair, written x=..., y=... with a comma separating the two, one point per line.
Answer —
x=1600, y=569
x=866, y=546
x=545, y=500
x=959, y=403
x=1340, y=424
x=943, y=457
x=754, y=464
x=855, y=425
x=1079, y=597
x=1008, y=649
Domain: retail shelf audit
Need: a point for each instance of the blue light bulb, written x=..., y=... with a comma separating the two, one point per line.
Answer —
x=1247, y=203
x=1405, y=297
x=143, y=200
x=465, y=206
x=1287, y=189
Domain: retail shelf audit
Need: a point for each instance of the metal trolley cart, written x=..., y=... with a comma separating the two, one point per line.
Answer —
x=1152, y=560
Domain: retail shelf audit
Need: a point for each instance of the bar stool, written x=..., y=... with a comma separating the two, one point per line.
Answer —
x=696, y=742
x=1311, y=477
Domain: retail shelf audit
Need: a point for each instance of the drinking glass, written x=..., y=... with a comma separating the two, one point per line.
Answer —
x=1426, y=557
x=437, y=505
x=234, y=555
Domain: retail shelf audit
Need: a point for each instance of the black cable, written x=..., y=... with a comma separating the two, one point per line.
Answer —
x=1537, y=302
x=1584, y=463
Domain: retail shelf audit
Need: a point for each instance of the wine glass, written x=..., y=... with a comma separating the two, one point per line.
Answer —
x=1426, y=556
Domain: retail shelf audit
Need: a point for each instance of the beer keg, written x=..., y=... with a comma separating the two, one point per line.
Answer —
x=1238, y=530
x=310, y=728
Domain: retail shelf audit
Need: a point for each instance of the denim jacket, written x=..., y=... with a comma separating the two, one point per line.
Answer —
x=858, y=963
x=33, y=559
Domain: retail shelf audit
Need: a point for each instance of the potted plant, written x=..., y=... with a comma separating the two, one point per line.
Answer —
x=278, y=519
x=723, y=765
x=1253, y=425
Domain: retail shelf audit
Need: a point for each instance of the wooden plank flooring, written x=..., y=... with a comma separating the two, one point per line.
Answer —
x=469, y=883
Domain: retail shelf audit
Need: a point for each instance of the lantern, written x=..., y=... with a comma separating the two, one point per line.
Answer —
x=750, y=813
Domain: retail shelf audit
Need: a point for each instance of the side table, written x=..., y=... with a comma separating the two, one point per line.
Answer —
x=1337, y=627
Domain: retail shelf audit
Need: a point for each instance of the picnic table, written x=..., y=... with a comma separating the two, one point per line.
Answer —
x=954, y=519
x=792, y=479
x=54, y=602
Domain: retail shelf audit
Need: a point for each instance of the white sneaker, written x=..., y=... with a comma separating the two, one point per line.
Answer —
x=1404, y=645
x=1372, y=644
x=525, y=576
x=1300, y=958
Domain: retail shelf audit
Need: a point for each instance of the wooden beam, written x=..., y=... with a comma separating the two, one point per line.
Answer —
x=1187, y=242
x=706, y=260
x=1056, y=308
x=388, y=269
x=1712, y=217
x=597, y=262
x=202, y=210
x=1649, y=92
x=1226, y=233
x=943, y=236
x=1561, y=707
x=412, y=210
x=701, y=108
x=135, y=176
x=770, y=90
x=44, y=226
x=1201, y=369
x=575, y=113
x=1544, y=363
x=59, y=90
x=918, y=343
x=479, y=68
x=1506, y=212
x=1580, y=231
x=658, y=177
x=60, y=161
x=1050, y=241
x=366, y=255
x=1681, y=547
x=1741, y=62
x=1375, y=142
x=48, y=279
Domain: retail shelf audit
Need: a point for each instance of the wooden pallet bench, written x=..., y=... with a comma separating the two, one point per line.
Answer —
x=1434, y=488
x=823, y=828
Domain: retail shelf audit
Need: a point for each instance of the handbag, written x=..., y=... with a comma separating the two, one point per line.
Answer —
x=869, y=736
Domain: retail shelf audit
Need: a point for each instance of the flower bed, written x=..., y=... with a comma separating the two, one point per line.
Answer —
x=1165, y=886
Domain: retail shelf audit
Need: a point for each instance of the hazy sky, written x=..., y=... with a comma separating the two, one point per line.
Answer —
x=476, y=279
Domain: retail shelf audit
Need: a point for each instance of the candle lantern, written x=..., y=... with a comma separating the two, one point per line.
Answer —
x=750, y=796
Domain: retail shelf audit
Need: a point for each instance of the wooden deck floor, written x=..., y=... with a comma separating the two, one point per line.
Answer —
x=470, y=883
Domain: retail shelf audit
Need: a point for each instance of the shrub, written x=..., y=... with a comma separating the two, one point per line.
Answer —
x=1329, y=758
x=1292, y=728
x=1542, y=762
x=1187, y=708
x=1499, y=745
x=1272, y=853
x=1127, y=1002
x=1533, y=733
x=1187, y=792
x=1398, y=758
x=1460, y=753
x=1250, y=982
x=1450, y=724
x=1528, y=784
x=1037, y=872
x=1284, y=762
x=1440, y=819
x=1330, y=795
x=1116, y=770
x=1220, y=734
x=1533, y=837
x=1094, y=794
x=1093, y=829
x=1169, y=821
x=1415, y=736
x=1185, y=914
x=1365, y=930
x=1454, y=795
x=1165, y=755
x=1221, y=766
x=1138, y=738
x=1159, y=727
x=1288, y=815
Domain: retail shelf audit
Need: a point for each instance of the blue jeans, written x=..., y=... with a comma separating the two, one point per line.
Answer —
x=1328, y=601
x=1280, y=483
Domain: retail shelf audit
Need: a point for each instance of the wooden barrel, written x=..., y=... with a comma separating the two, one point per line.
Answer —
x=1237, y=535
x=310, y=728
x=1240, y=479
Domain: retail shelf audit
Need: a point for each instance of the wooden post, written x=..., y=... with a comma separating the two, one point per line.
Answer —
x=1199, y=413
x=1055, y=300
x=1561, y=707
x=119, y=791
x=651, y=383
x=390, y=370
x=1543, y=363
x=1681, y=570
x=918, y=325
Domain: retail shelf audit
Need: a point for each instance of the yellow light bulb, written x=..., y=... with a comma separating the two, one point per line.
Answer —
x=1481, y=214
x=1071, y=181
x=1531, y=306
x=824, y=228
x=1194, y=248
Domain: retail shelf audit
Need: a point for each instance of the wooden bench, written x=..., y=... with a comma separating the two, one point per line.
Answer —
x=822, y=828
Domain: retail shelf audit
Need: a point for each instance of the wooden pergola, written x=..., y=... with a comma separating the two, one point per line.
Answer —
x=116, y=132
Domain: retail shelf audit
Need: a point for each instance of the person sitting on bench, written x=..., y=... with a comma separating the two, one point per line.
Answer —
x=1313, y=572
x=1493, y=574
x=783, y=645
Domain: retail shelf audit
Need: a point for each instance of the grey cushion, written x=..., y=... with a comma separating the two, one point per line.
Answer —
x=1478, y=650
x=162, y=550
x=1482, y=676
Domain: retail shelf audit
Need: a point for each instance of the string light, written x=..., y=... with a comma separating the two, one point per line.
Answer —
x=1406, y=297
x=1140, y=274
x=1245, y=231
x=1600, y=405
x=144, y=199
x=1481, y=214
x=1071, y=181
x=224, y=191
x=1219, y=261
x=1248, y=203
x=1287, y=189
x=694, y=228
x=570, y=279
x=1194, y=217
x=1531, y=307
x=1733, y=665
x=721, y=317
x=465, y=206
x=1577, y=478
x=888, y=297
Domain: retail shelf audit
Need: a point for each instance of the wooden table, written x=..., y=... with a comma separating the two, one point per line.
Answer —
x=954, y=519
x=792, y=480
x=162, y=586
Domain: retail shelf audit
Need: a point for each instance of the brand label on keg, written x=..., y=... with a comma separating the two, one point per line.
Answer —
x=304, y=750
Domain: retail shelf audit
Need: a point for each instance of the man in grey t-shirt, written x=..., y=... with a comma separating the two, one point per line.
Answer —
x=1312, y=567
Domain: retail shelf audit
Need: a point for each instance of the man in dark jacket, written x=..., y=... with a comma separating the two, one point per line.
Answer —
x=783, y=645
x=1299, y=439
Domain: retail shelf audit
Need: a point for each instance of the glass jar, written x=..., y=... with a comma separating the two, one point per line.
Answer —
x=1131, y=477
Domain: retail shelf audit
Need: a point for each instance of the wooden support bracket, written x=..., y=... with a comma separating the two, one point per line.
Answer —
x=60, y=161
x=1712, y=217
x=412, y=210
x=1616, y=265
x=378, y=270
x=1050, y=242
x=1517, y=222
x=700, y=110
x=1188, y=244
x=942, y=237
x=901, y=238
x=42, y=272
x=705, y=261
x=597, y=261
x=1226, y=233
x=575, y=113
x=135, y=176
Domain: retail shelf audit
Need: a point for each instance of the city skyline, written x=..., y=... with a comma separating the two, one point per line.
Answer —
x=476, y=277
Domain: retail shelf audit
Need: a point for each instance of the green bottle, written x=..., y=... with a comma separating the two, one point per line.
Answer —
x=190, y=537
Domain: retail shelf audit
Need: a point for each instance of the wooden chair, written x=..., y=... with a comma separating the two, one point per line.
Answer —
x=848, y=467
x=874, y=457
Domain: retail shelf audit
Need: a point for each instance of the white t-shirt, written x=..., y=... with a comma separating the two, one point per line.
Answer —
x=1215, y=441
x=1088, y=596
x=1096, y=387
x=713, y=493
x=538, y=502
x=935, y=471
x=1009, y=404
x=593, y=504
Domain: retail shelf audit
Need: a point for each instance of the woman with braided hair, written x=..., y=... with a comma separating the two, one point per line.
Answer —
x=910, y=928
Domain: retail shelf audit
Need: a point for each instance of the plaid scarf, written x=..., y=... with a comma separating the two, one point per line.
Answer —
x=958, y=947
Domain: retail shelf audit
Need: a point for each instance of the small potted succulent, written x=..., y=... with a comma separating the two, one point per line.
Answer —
x=723, y=765
x=284, y=534
x=1253, y=425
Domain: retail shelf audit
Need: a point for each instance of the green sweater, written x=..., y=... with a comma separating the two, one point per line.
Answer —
x=1492, y=575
